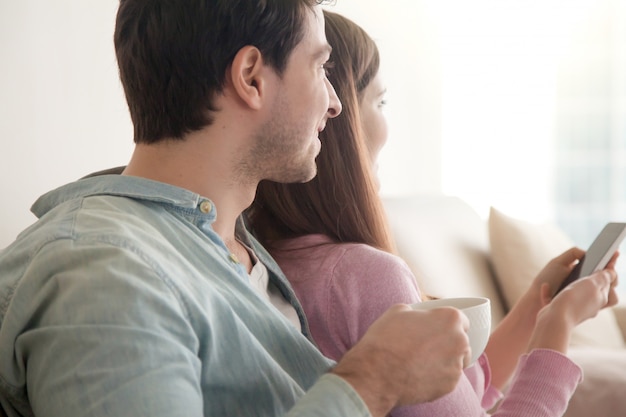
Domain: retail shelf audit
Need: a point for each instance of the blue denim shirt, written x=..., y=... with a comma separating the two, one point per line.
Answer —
x=123, y=301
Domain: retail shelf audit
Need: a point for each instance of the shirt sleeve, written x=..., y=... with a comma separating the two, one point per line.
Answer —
x=116, y=338
x=105, y=340
x=330, y=396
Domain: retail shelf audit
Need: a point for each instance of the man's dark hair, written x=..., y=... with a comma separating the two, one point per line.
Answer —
x=173, y=55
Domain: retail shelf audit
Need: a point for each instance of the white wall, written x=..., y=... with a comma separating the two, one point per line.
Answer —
x=64, y=114
x=62, y=106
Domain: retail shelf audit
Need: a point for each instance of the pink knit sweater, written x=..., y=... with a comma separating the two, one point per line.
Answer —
x=345, y=287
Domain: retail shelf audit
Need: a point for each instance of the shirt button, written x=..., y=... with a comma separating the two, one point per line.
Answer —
x=206, y=206
x=233, y=258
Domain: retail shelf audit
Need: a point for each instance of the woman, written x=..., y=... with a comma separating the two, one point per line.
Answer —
x=331, y=239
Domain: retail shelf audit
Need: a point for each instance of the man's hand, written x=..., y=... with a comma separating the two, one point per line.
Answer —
x=407, y=357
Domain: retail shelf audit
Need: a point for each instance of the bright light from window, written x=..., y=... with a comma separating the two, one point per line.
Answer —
x=500, y=60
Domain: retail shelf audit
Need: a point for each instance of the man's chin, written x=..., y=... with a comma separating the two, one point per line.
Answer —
x=294, y=178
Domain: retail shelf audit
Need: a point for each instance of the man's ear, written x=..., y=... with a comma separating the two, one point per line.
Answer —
x=247, y=73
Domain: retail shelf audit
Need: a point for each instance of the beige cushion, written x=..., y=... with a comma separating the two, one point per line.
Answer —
x=519, y=250
x=604, y=383
x=445, y=243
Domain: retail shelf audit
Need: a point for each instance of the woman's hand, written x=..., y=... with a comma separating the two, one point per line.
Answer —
x=596, y=285
x=556, y=271
x=518, y=330
x=579, y=301
x=549, y=279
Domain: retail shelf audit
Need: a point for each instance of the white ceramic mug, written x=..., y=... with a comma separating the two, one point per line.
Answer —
x=477, y=310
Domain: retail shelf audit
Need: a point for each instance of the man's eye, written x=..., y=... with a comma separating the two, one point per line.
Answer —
x=328, y=66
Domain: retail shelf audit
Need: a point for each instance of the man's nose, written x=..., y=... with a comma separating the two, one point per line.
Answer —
x=334, y=104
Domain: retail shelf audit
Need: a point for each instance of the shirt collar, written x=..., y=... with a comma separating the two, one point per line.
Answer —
x=117, y=185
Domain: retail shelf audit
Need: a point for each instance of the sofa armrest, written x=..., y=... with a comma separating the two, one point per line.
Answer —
x=620, y=316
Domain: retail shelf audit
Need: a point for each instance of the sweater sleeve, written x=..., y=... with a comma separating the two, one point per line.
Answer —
x=479, y=377
x=363, y=283
x=542, y=385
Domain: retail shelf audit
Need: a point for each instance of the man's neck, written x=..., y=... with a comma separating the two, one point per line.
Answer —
x=191, y=165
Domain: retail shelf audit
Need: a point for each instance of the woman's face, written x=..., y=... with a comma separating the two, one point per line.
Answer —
x=373, y=119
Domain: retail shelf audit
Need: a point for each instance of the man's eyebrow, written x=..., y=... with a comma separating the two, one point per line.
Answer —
x=324, y=50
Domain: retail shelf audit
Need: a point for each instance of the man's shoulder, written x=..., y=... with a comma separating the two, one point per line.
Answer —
x=90, y=216
x=90, y=224
x=65, y=227
x=111, y=205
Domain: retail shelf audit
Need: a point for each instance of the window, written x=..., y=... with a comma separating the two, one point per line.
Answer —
x=534, y=111
x=590, y=139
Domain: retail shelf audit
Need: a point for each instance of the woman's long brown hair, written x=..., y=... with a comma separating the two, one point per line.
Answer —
x=342, y=201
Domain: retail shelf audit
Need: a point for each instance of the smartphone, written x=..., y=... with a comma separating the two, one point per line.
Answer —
x=598, y=254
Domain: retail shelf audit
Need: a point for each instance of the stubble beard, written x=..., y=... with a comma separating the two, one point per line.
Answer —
x=277, y=154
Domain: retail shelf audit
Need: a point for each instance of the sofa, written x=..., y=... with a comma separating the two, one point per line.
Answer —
x=455, y=252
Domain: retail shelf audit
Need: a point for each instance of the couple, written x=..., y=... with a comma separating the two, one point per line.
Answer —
x=144, y=294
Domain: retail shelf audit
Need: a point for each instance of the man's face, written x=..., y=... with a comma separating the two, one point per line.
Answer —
x=287, y=144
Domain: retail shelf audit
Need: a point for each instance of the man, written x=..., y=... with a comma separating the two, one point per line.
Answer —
x=143, y=294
